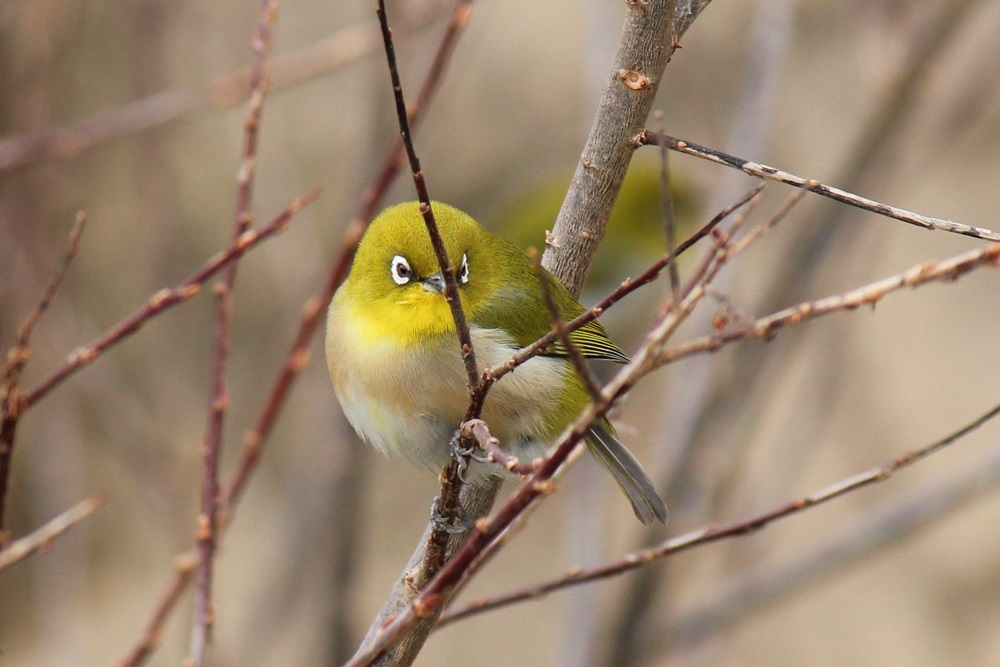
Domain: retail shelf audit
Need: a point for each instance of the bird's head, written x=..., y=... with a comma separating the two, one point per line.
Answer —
x=396, y=283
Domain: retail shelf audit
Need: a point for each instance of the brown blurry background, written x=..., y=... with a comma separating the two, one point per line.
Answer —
x=306, y=563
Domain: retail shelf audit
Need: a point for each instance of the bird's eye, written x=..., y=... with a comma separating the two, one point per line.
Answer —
x=463, y=273
x=401, y=272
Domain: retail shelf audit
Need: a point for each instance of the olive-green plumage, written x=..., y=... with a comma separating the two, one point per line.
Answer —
x=394, y=360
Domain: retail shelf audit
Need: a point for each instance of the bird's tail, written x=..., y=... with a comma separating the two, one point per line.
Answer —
x=633, y=480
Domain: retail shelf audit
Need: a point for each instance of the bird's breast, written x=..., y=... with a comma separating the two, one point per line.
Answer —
x=407, y=400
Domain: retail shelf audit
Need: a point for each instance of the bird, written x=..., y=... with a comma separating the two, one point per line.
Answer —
x=396, y=365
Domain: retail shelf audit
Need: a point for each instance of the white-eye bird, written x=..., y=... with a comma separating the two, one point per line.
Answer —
x=394, y=357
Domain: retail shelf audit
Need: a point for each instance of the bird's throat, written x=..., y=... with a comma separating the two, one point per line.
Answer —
x=420, y=314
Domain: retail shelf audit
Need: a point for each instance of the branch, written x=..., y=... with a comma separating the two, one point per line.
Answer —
x=298, y=354
x=647, y=42
x=43, y=537
x=12, y=400
x=223, y=92
x=184, y=574
x=711, y=534
x=480, y=432
x=889, y=526
x=868, y=295
x=748, y=200
x=447, y=270
x=165, y=299
x=208, y=519
x=763, y=171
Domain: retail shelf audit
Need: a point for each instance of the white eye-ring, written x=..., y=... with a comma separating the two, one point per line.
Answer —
x=401, y=272
x=463, y=273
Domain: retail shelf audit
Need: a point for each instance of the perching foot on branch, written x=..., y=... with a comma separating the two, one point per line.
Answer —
x=449, y=524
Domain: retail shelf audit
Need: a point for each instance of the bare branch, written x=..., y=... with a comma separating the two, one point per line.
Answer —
x=495, y=453
x=165, y=299
x=183, y=575
x=42, y=538
x=768, y=327
x=652, y=273
x=647, y=42
x=12, y=399
x=709, y=534
x=770, y=173
x=287, y=71
x=874, y=532
x=447, y=270
x=208, y=519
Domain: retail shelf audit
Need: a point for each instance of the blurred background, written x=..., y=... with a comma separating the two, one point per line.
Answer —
x=897, y=101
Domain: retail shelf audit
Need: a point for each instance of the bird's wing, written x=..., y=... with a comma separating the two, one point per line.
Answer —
x=534, y=320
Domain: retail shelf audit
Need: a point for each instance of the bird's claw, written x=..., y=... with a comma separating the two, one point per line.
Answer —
x=452, y=525
x=463, y=454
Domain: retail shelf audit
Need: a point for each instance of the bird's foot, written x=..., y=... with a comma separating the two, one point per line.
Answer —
x=449, y=524
x=463, y=454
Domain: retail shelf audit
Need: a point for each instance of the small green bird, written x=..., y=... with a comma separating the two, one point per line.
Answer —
x=394, y=358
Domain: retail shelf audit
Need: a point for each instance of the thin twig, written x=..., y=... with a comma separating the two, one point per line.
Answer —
x=495, y=453
x=12, y=399
x=184, y=568
x=287, y=71
x=667, y=202
x=165, y=299
x=590, y=382
x=41, y=538
x=448, y=504
x=208, y=520
x=312, y=311
x=770, y=173
x=24, y=334
x=627, y=287
x=768, y=327
x=447, y=270
x=875, y=532
x=710, y=534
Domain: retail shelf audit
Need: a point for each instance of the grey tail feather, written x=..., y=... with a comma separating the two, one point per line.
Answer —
x=633, y=480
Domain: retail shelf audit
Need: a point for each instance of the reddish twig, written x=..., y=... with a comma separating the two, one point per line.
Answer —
x=768, y=327
x=153, y=635
x=312, y=311
x=449, y=506
x=208, y=520
x=562, y=335
x=286, y=71
x=12, y=399
x=41, y=538
x=480, y=432
x=711, y=534
x=763, y=171
x=623, y=290
x=165, y=299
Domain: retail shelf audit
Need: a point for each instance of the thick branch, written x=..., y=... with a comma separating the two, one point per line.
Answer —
x=647, y=41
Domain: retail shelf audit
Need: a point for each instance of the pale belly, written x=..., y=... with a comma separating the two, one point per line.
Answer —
x=408, y=403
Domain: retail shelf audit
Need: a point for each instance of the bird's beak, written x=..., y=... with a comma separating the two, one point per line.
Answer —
x=434, y=283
